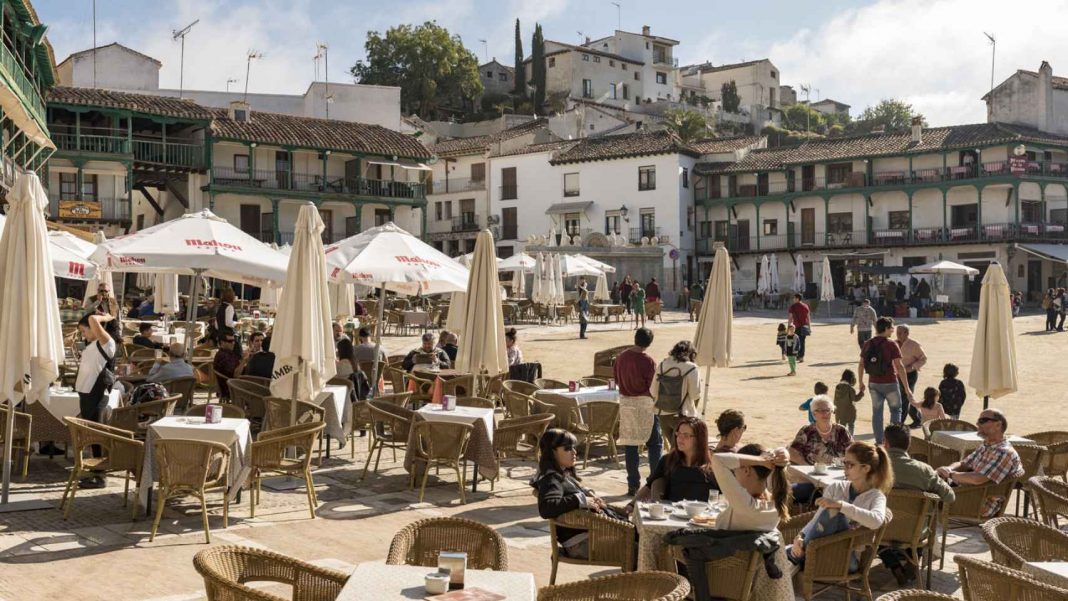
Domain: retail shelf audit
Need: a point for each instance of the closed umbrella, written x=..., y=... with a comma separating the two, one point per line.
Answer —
x=552, y=237
x=537, y=284
x=826, y=284
x=302, y=340
x=269, y=297
x=558, y=285
x=773, y=274
x=993, y=371
x=482, y=347
x=762, y=279
x=799, y=276
x=550, y=279
x=519, y=280
x=713, y=339
x=30, y=331
x=457, y=312
x=342, y=301
x=601, y=292
x=165, y=293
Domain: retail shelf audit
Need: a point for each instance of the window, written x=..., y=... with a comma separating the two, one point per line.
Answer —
x=771, y=227
x=842, y=223
x=838, y=173
x=571, y=184
x=586, y=57
x=700, y=188
x=596, y=59
x=773, y=74
x=68, y=186
x=646, y=178
x=508, y=184
x=1030, y=211
x=478, y=172
x=685, y=177
x=612, y=91
x=89, y=187
x=502, y=76
x=571, y=223
x=626, y=92
x=612, y=222
x=648, y=222
x=611, y=63
x=704, y=229
x=1059, y=216
x=240, y=115
x=437, y=210
x=446, y=212
x=552, y=63
x=489, y=74
x=899, y=220
x=140, y=222
x=637, y=76
x=660, y=54
x=587, y=88
x=623, y=66
x=241, y=163
x=661, y=77
x=509, y=223
x=382, y=217
x=722, y=231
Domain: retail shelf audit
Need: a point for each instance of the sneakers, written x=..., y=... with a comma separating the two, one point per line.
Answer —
x=92, y=482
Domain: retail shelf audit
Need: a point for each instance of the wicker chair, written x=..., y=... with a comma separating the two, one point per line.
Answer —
x=361, y=420
x=268, y=455
x=985, y=581
x=1033, y=458
x=913, y=594
x=967, y=508
x=549, y=383
x=419, y=543
x=227, y=569
x=205, y=377
x=592, y=381
x=121, y=454
x=932, y=453
x=729, y=578
x=22, y=440
x=140, y=353
x=1051, y=499
x=280, y=414
x=191, y=467
x=521, y=387
x=424, y=390
x=229, y=410
x=827, y=559
x=913, y=526
x=604, y=361
x=184, y=387
x=221, y=384
x=459, y=386
x=137, y=418
x=396, y=377
x=567, y=414
x=401, y=399
x=518, y=436
x=441, y=444
x=392, y=425
x=1014, y=541
x=637, y=586
x=1056, y=442
x=249, y=396
x=494, y=388
x=518, y=399
x=952, y=425
x=602, y=424
x=265, y=382
x=611, y=541
x=474, y=401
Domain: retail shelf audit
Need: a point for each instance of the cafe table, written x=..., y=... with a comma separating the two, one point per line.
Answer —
x=965, y=442
x=374, y=581
x=585, y=394
x=334, y=399
x=808, y=473
x=55, y=404
x=653, y=552
x=1050, y=572
x=480, y=449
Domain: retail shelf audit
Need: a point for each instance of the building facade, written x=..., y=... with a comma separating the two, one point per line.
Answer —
x=757, y=81
x=1034, y=99
x=497, y=79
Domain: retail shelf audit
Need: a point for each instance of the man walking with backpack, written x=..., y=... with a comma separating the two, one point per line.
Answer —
x=634, y=372
x=880, y=359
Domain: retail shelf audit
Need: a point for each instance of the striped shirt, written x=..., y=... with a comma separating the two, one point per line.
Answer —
x=997, y=462
x=864, y=318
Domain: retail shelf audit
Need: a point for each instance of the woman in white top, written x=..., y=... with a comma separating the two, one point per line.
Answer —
x=90, y=384
x=744, y=479
x=680, y=363
x=515, y=356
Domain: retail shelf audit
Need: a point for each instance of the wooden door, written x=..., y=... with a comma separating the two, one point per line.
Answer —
x=328, y=223
x=250, y=220
x=808, y=226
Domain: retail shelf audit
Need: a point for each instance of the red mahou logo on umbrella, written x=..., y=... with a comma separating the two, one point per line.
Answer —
x=213, y=244
x=76, y=269
x=417, y=260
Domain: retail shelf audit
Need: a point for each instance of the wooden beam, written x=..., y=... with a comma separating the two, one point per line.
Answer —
x=151, y=199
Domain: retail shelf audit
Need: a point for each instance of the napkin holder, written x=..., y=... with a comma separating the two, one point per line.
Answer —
x=456, y=564
x=212, y=414
x=448, y=402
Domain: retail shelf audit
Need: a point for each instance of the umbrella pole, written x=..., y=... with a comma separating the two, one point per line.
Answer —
x=190, y=314
x=378, y=342
x=9, y=432
x=704, y=399
x=986, y=404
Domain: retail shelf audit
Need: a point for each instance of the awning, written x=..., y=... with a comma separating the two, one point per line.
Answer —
x=568, y=207
x=401, y=164
x=1058, y=253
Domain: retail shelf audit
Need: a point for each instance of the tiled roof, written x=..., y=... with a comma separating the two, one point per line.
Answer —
x=876, y=145
x=562, y=145
x=573, y=48
x=710, y=68
x=166, y=106
x=711, y=167
x=479, y=144
x=718, y=145
x=307, y=132
x=622, y=146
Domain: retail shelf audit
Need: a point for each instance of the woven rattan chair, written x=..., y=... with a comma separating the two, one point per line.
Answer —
x=517, y=404
x=1014, y=541
x=602, y=424
x=440, y=444
x=549, y=383
x=120, y=454
x=1056, y=443
x=474, y=401
x=1051, y=499
x=21, y=441
x=494, y=388
x=137, y=418
x=592, y=381
x=985, y=581
x=221, y=381
x=249, y=396
x=419, y=543
x=205, y=377
x=228, y=410
x=184, y=387
x=280, y=415
x=518, y=436
x=967, y=509
x=524, y=388
x=361, y=420
x=1033, y=459
x=637, y=586
x=140, y=353
x=827, y=559
x=611, y=541
x=392, y=425
x=951, y=425
x=729, y=578
x=567, y=413
x=914, y=594
x=423, y=391
x=913, y=526
x=268, y=455
x=604, y=361
x=227, y=570
x=265, y=382
x=401, y=399
x=459, y=386
x=191, y=467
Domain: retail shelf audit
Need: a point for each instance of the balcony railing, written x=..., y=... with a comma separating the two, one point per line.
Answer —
x=103, y=144
x=509, y=192
x=21, y=76
x=637, y=233
x=84, y=209
x=465, y=222
x=458, y=185
x=182, y=154
x=313, y=182
x=287, y=237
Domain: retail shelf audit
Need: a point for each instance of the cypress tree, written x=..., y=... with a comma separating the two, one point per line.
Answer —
x=520, y=89
x=538, y=70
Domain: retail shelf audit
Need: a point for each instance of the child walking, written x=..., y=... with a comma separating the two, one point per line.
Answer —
x=845, y=400
x=930, y=408
x=951, y=390
x=780, y=339
x=637, y=304
x=790, y=346
x=819, y=391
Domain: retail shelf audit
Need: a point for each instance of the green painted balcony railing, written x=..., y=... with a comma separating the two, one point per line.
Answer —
x=91, y=143
x=169, y=153
x=18, y=75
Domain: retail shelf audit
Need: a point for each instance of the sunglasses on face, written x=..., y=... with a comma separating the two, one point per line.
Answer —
x=821, y=410
x=985, y=420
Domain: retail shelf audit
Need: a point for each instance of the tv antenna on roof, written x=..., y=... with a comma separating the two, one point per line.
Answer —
x=175, y=35
x=619, y=15
x=485, y=49
x=993, y=52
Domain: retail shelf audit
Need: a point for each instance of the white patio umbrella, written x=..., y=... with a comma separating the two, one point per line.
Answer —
x=826, y=283
x=302, y=340
x=165, y=293
x=269, y=297
x=552, y=237
x=549, y=284
x=993, y=371
x=70, y=256
x=30, y=332
x=342, y=301
x=604, y=267
x=558, y=283
x=944, y=268
x=713, y=339
x=799, y=276
x=520, y=261
x=482, y=349
x=74, y=244
x=145, y=281
x=577, y=265
x=773, y=274
x=457, y=312
x=601, y=292
x=537, y=284
x=519, y=282
x=389, y=258
x=762, y=279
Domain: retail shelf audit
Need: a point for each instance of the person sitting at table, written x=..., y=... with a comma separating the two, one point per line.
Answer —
x=994, y=461
x=144, y=337
x=95, y=375
x=365, y=350
x=821, y=442
x=731, y=426
x=450, y=347
x=426, y=355
x=679, y=364
x=260, y=360
x=346, y=358
x=227, y=358
x=176, y=367
x=859, y=500
x=684, y=472
x=145, y=309
x=559, y=491
x=339, y=334
x=515, y=355
x=102, y=300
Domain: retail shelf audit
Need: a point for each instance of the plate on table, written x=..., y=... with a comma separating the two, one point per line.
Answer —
x=705, y=520
x=649, y=517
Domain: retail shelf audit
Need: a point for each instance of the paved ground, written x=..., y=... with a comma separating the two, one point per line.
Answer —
x=100, y=554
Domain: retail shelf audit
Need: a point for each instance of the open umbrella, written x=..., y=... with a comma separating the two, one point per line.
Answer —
x=826, y=284
x=604, y=267
x=30, y=332
x=713, y=339
x=482, y=347
x=577, y=265
x=521, y=261
x=762, y=279
x=70, y=257
x=993, y=371
x=302, y=340
x=799, y=276
x=601, y=292
x=773, y=274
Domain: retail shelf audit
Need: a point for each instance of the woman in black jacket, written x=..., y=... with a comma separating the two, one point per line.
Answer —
x=559, y=491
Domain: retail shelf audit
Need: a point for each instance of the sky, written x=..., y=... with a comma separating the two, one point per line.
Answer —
x=930, y=53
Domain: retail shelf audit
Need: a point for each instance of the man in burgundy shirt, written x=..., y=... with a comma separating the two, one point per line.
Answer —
x=885, y=375
x=798, y=316
x=634, y=372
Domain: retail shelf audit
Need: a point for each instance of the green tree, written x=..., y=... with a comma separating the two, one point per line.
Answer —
x=894, y=116
x=520, y=90
x=729, y=95
x=687, y=125
x=537, y=67
x=802, y=117
x=430, y=66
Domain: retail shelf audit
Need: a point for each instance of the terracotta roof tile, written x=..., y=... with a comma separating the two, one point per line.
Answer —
x=574, y=48
x=480, y=144
x=718, y=145
x=166, y=106
x=561, y=145
x=622, y=146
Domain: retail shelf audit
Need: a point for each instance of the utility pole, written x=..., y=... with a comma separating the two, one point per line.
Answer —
x=181, y=63
x=94, y=43
x=322, y=49
x=619, y=15
x=252, y=54
x=993, y=52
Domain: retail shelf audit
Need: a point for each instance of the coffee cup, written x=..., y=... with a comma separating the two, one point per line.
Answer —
x=819, y=468
x=437, y=582
x=656, y=511
x=694, y=508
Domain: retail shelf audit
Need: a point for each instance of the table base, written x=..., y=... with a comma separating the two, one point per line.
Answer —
x=281, y=483
x=15, y=504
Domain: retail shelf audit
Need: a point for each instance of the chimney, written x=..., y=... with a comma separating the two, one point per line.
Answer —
x=1045, y=97
x=917, y=130
x=240, y=111
x=645, y=30
x=587, y=40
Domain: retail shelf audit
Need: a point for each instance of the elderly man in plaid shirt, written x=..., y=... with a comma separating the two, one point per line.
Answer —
x=994, y=461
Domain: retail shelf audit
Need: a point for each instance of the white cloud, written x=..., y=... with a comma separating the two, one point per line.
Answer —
x=931, y=54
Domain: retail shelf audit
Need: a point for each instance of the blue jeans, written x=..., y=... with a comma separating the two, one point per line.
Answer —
x=801, y=344
x=823, y=524
x=863, y=336
x=892, y=394
x=655, y=446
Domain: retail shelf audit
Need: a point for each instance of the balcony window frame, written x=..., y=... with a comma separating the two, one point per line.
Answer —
x=572, y=223
x=661, y=78
x=68, y=186
x=572, y=185
x=646, y=178
x=837, y=173
x=237, y=167
x=770, y=227
x=509, y=231
x=897, y=220
x=647, y=222
x=587, y=88
x=613, y=222
x=685, y=177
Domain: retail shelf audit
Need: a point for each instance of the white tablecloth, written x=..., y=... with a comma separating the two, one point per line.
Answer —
x=233, y=432
x=805, y=472
x=163, y=338
x=1050, y=572
x=584, y=395
x=373, y=581
x=462, y=415
x=416, y=318
x=965, y=442
x=63, y=402
x=334, y=399
x=652, y=550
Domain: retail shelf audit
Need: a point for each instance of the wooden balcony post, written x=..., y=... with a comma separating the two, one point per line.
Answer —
x=1016, y=201
x=910, y=236
x=274, y=220
x=78, y=130
x=252, y=166
x=164, y=148
x=979, y=212
x=867, y=219
x=759, y=230
x=945, y=220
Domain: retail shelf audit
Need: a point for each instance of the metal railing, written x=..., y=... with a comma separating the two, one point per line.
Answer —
x=637, y=233
x=509, y=192
x=110, y=209
x=22, y=77
x=465, y=222
x=104, y=144
x=183, y=154
x=313, y=182
x=454, y=184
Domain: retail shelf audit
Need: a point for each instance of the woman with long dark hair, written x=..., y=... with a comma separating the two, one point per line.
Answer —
x=685, y=471
x=559, y=491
